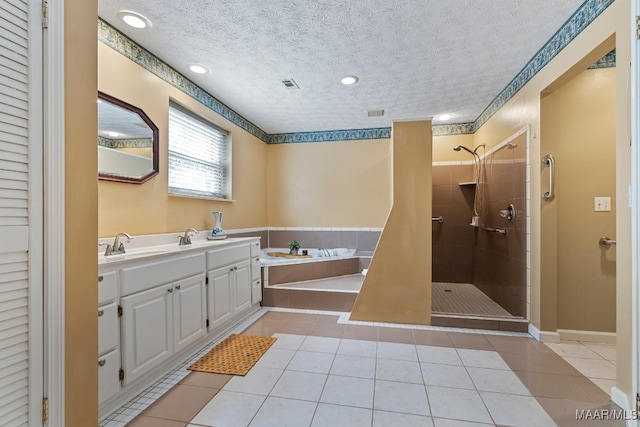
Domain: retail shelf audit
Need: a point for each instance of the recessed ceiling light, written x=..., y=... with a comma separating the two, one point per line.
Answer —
x=134, y=19
x=445, y=117
x=349, y=80
x=198, y=68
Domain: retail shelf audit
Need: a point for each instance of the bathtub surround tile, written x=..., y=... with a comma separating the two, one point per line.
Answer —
x=367, y=240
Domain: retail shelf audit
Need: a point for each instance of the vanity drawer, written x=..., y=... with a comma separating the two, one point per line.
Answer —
x=108, y=379
x=255, y=268
x=107, y=287
x=225, y=256
x=108, y=328
x=255, y=249
x=152, y=274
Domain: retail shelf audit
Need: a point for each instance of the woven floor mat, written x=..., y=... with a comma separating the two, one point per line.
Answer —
x=235, y=355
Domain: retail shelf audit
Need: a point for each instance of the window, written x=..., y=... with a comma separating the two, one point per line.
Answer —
x=199, y=155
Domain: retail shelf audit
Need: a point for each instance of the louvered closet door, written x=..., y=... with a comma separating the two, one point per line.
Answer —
x=16, y=142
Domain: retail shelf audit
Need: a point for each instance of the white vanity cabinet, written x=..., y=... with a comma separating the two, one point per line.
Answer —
x=163, y=311
x=154, y=310
x=229, y=283
x=108, y=336
x=256, y=280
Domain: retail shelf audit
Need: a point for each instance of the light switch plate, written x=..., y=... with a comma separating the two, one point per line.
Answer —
x=602, y=204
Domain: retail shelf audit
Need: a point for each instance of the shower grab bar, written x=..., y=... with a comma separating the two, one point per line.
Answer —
x=605, y=241
x=437, y=218
x=495, y=230
x=549, y=160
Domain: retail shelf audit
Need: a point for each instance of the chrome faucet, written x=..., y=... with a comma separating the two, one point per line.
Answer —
x=186, y=239
x=117, y=247
x=323, y=252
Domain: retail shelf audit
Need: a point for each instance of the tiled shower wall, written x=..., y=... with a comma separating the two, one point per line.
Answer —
x=499, y=260
x=453, y=239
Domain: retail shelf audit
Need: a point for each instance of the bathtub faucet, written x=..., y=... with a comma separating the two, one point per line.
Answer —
x=323, y=252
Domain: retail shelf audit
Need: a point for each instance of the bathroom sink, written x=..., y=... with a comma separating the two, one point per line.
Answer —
x=133, y=254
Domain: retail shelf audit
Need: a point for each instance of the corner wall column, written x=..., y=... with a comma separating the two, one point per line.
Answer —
x=397, y=287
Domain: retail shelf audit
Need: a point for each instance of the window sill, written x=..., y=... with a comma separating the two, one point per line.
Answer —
x=213, y=199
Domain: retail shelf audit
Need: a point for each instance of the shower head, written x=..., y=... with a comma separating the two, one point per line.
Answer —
x=475, y=151
x=462, y=147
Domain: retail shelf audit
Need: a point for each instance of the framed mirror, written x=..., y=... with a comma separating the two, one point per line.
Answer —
x=127, y=142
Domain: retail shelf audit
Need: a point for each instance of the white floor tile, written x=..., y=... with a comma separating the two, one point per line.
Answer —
x=348, y=391
x=446, y=376
x=276, y=358
x=288, y=341
x=593, y=368
x=397, y=419
x=521, y=411
x=573, y=349
x=299, y=385
x=443, y=422
x=439, y=355
x=311, y=361
x=399, y=370
x=320, y=344
x=354, y=366
x=400, y=397
x=334, y=415
x=229, y=409
x=607, y=351
x=392, y=350
x=257, y=381
x=498, y=381
x=481, y=359
x=464, y=405
x=358, y=348
x=284, y=413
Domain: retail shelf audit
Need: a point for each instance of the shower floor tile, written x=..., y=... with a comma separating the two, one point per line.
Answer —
x=463, y=299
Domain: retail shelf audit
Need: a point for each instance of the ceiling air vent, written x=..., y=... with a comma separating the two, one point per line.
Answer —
x=375, y=113
x=290, y=84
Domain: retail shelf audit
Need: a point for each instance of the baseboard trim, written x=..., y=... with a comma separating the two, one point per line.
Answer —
x=550, y=337
x=587, y=336
x=534, y=332
x=621, y=399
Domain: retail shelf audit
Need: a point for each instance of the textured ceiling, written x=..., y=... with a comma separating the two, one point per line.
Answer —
x=415, y=58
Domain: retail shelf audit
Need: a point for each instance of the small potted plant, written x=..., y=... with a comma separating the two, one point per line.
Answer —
x=293, y=247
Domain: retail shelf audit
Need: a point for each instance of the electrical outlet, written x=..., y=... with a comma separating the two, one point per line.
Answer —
x=602, y=204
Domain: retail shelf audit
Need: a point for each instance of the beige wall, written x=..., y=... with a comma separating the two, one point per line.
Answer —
x=524, y=109
x=585, y=152
x=397, y=287
x=147, y=208
x=443, y=148
x=329, y=184
x=81, y=225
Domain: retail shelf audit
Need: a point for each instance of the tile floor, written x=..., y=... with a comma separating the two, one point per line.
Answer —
x=323, y=373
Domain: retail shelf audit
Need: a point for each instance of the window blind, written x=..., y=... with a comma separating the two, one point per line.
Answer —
x=197, y=156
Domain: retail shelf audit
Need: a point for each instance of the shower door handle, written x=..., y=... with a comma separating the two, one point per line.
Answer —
x=548, y=160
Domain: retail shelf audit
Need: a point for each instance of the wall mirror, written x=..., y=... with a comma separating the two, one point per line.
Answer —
x=127, y=142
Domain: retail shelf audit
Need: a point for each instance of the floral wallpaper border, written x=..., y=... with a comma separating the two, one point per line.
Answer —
x=585, y=14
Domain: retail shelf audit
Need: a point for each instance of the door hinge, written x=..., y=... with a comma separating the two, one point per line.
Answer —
x=45, y=410
x=207, y=323
x=638, y=27
x=119, y=311
x=45, y=13
x=121, y=374
x=637, y=403
x=206, y=280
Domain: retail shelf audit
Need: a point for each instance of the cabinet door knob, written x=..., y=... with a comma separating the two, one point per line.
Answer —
x=101, y=362
x=170, y=290
x=100, y=278
x=100, y=313
x=178, y=287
